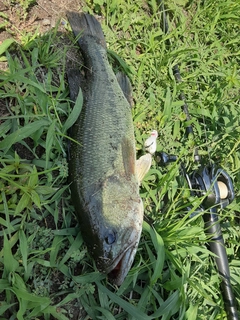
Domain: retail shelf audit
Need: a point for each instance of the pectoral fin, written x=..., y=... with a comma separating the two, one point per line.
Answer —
x=143, y=165
x=128, y=156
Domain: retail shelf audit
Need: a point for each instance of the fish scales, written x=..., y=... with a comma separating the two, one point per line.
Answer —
x=102, y=165
x=105, y=119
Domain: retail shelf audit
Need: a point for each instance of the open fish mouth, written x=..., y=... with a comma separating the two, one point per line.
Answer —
x=121, y=265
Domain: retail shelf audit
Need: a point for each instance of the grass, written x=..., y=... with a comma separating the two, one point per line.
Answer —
x=46, y=272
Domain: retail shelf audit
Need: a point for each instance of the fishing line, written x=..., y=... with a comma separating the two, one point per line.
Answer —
x=215, y=186
x=178, y=78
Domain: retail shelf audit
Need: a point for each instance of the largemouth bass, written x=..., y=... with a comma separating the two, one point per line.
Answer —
x=102, y=165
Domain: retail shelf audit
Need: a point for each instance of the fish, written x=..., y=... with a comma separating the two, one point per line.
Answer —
x=102, y=160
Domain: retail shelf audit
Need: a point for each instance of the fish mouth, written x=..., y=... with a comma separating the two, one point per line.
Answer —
x=122, y=264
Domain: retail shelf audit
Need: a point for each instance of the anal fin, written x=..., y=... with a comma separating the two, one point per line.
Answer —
x=74, y=82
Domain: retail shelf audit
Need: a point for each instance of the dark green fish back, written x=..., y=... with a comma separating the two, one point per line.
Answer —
x=102, y=164
x=105, y=124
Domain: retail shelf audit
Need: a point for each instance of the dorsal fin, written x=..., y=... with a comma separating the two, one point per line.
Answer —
x=126, y=87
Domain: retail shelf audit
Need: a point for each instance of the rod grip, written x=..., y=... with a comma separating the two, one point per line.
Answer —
x=216, y=245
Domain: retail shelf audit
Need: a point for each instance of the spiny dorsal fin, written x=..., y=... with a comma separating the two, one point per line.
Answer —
x=126, y=87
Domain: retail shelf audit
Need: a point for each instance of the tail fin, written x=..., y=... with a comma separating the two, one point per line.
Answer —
x=84, y=24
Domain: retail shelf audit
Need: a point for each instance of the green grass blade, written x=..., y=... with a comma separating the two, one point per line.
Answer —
x=74, y=113
x=10, y=263
x=49, y=140
x=23, y=248
x=128, y=307
x=160, y=250
x=106, y=313
x=4, y=307
x=22, y=133
x=5, y=44
x=169, y=307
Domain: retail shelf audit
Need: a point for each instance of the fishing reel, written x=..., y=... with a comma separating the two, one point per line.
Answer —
x=214, y=184
x=210, y=182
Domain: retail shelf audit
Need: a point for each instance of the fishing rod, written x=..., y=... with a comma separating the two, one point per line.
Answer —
x=215, y=186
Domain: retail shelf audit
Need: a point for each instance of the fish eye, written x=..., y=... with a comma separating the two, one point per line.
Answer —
x=110, y=237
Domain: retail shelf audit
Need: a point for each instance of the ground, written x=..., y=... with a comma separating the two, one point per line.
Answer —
x=17, y=20
x=42, y=14
x=173, y=271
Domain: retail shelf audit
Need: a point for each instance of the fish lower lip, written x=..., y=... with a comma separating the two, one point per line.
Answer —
x=119, y=269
